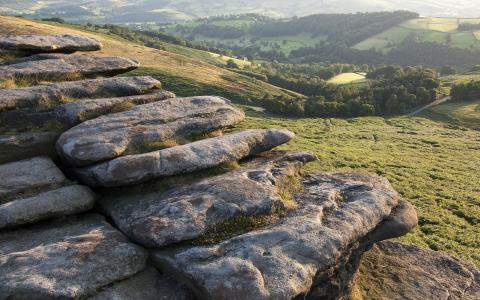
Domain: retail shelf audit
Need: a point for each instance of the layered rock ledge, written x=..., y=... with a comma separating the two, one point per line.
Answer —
x=35, y=189
x=60, y=66
x=199, y=155
x=145, y=127
x=44, y=96
x=155, y=217
x=65, y=259
x=65, y=43
x=312, y=252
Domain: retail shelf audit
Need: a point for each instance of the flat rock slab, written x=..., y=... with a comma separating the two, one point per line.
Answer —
x=112, y=135
x=55, y=203
x=282, y=261
x=61, y=66
x=182, y=159
x=67, y=259
x=28, y=176
x=24, y=145
x=155, y=217
x=49, y=95
x=146, y=285
x=396, y=271
x=73, y=113
x=65, y=43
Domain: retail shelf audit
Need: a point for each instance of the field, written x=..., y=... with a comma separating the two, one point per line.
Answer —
x=438, y=30
x=346, y=78
x=431, y=164
x=457, y=113
x=184, y=71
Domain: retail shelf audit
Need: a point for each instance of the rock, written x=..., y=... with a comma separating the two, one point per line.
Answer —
x=155, y=217
x=15, y=146
x=55, y=203
x=396, y=271
x=112, y=135
x=146, y=285
x=311, y=247
x=65, y=43
x=182, y=159
x=74, y=113
x=50, y=95
x=66, y=259
x=28, y=176
x=57, y=66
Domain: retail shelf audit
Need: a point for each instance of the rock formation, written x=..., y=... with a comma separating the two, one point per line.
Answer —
x=66, y=66
x=65, y=43
x=218, y=215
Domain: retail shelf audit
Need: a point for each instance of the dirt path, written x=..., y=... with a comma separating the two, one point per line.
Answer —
x=435, y=103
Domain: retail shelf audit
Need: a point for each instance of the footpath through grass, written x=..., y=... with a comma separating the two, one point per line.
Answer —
x=433, y=165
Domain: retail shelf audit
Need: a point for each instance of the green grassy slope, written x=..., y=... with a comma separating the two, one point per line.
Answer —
x=432, y=165
x=182, y=70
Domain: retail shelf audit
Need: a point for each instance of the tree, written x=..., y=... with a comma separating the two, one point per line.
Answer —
x=448, y=70
x=231, y=64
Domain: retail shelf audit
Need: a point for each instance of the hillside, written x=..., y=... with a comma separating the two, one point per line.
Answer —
x=178, y=73
x=180, y=11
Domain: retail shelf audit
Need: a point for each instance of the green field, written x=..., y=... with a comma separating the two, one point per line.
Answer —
x=465, y=114
x=431, y=164
x=346, y=78
x=438, y=30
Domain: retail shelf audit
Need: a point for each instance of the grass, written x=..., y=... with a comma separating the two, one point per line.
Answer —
x=438, y=30
x=431, y=164
x=168, y=66
x=466, y=114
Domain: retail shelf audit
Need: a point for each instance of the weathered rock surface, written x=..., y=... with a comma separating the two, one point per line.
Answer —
x=49, y=95
x=73, y=113
x=59, y=66
x=27, y=176
x=282, y=261
x=16, y=146
x=146, y=285
x=159, y=217
x=112, y=135
x=66, y=259
x=409, y=272
x=55, y=203
x=65, y=43
x=182, y=159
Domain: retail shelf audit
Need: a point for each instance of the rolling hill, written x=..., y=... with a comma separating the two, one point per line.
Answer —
x=185, y=74
x=122, y=11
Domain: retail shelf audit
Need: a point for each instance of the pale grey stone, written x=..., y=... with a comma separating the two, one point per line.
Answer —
x=55, y=203
x=199, y=155
x=112, y=135
x=65, y=259
x=47, y=95
x=155, y=217
x=65, y=43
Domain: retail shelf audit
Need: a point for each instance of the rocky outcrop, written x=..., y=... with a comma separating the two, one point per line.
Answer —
x=409, y=272
x=67, y=259
x=182, y=159
x=28, y=176
x=303, y=250
x=35, y=189
x=73, y=113
x=141, y=128
x=24, y=145
x=55, y=203
x=65, y=66
x=146, y=285
x=65, y=43
x=44, y=96
x=155, y=217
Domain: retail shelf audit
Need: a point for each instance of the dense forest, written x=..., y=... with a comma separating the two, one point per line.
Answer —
x=393, y=90
x=466, y=92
